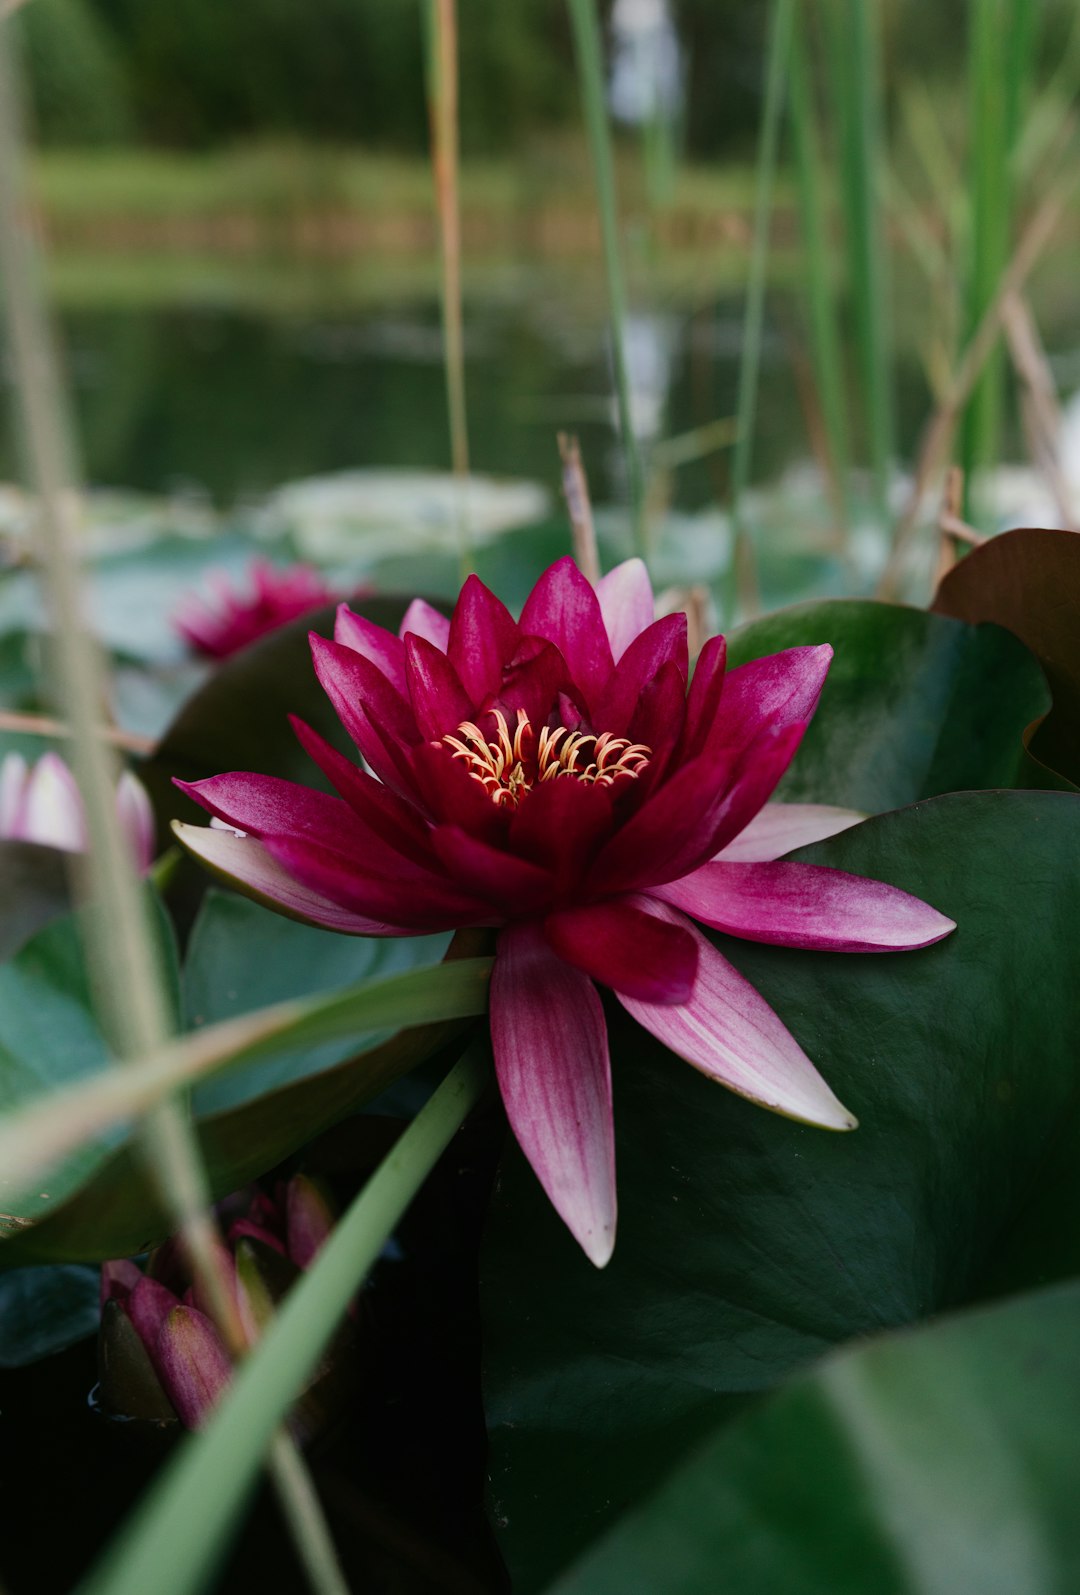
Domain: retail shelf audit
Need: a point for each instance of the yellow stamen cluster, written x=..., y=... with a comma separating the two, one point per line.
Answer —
x=508, y=767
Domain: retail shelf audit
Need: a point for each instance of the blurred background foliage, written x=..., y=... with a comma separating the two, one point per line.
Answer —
x=194, y=73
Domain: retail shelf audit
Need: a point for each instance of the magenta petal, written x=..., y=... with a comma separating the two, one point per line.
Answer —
x=388, y=816
x=512, y=884
x=564, y=609
x=454, y=796
x=533, y=681
x=729, y=1032
x=119, y=1278
x=259, y=804
x=807, y=905
x=781, y=689
x=148, y=1306
x=551, y=1059
x=780, y=828
x=703, y=699
x=483, y=636
x=559, y=826
x=661, y=643
x=309, y=1219
x=439, y=701
x=424, y=621
x=754, y=782
x=626, y=603
x=244, y=863
x=192, y=1364
x=636, y=953
x=377, y=717
x=419, y=901
x=374, y=642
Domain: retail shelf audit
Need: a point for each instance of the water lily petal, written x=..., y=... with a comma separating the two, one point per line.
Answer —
x=452, y=793
x=513, y=884
x=663, y=641
x=626, y=603
x=439, y=701
x=634, y=952
x=192, y=1364
x=389, y=817
x=729, y=1032
x=52, y=808
x=781, y=689
x=559, y=827
x=703, y=699
x=551, y=1059
x=564, y=609
x=148, y=1306
x=363, y=636
x=780, y=828
x=264, y=804
x=807, y=905
x=14, y=773
x=533, y=680
x=415, y=898
x=693, y=813
x=424, y=621
x=244, y=863
x=483, y=636
x=136, y=816
x=379, y=720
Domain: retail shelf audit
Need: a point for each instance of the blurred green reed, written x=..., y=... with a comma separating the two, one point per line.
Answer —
x=776, y=67
x=591, y=74
x=1002, y=39
x=826, y=348
x=853, y=59
x=120, y=939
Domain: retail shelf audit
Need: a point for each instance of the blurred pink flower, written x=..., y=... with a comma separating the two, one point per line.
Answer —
x=41, y=803
x=557, y=778
x=232, y=617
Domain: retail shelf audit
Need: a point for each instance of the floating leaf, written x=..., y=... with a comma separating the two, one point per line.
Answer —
x=1029, y=582
x=923, y=1463
x=748, y=1244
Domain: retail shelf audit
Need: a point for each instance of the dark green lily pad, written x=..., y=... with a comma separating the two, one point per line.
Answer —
x=914, y=704
x=45, y=1310
x=748, y=1245
x=940, y=1460
x=1029, y=582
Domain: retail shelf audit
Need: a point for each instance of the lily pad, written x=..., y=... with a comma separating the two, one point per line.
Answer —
x=748, y=1245
x=45, y=1310
x=914, y=704
x=925, y=1463
x=100, y=1202
x=1029, y=582
x=34, y=889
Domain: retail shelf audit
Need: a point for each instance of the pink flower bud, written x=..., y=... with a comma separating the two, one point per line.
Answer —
x=41, y=803
x=309, y=1219
x=192, y=1364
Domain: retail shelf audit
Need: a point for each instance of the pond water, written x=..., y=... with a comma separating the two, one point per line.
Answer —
x=229, y=400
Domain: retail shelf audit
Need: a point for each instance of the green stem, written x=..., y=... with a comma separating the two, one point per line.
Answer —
x=779, y=53
x=175, y=1538
x=590, y=62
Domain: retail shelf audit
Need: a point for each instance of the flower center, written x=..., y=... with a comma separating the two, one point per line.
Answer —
x=508, y=767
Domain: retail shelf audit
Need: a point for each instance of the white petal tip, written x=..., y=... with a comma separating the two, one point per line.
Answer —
x=598, y=1248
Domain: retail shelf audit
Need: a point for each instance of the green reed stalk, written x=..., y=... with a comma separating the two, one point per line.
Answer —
x=852, y=36
x=778, y=58
x=121, y=946
x=1002, y=36
x=590, y=64
x=825, y=344
x=443, y=103
x=181, y=1527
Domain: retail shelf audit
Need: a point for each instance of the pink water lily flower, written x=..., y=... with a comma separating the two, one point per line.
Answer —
x=234, y=616
x=557, y=778
x=41, y=803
